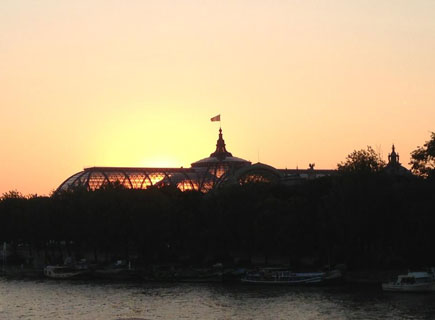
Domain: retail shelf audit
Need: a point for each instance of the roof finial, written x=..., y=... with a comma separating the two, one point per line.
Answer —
x=221, y=152
x=393, y=157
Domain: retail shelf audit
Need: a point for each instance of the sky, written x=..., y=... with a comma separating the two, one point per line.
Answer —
x=135, y=83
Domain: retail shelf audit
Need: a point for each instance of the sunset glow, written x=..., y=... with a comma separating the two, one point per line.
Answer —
x=160, y=163
x=134, y=83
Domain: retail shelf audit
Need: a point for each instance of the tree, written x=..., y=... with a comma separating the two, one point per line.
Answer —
x=423, y=159
x=362, y=161
x=13, y=194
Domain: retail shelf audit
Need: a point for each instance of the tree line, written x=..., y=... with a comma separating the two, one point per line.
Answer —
x=361, y=216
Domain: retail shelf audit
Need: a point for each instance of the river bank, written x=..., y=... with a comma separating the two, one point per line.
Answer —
x=172, y=273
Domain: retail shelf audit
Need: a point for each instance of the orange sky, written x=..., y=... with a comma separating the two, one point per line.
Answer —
x=134, y=83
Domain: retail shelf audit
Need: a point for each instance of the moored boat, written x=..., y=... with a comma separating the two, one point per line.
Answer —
x=412, y=282
x=287, y=277
x=63, y=272
x=120, y=270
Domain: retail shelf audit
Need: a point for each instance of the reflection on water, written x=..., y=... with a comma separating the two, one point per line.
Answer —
x=78, y=300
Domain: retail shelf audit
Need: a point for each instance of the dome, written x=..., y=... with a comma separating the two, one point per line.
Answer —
x=219, y=169
x=221, y=157
x=135, y=178
x=214, y=160
x=204, y=174
x=258, y=172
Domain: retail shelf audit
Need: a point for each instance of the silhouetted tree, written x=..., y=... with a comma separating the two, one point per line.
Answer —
x=423, y=159
x=12, y=194
x=362, y=161
x=369, y=220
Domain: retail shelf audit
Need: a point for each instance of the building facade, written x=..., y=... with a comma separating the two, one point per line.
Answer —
x=219, y=169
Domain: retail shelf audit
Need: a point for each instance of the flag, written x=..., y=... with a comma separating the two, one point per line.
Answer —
x=216, y=118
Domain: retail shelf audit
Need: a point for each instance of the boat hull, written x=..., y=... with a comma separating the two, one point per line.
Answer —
x=296, y=279
x=55, y=272
x=417, y=287
x=283, y=282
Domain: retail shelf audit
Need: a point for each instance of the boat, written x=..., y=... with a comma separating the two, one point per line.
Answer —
x=288, y=277
x=63, y=272
x=412, y=282
x=120, y=270
x=68, y=270
x=199, y=275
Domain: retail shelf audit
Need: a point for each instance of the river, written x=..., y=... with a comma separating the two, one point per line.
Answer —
x=61, y=300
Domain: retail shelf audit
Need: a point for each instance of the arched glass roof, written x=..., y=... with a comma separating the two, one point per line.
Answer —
x=204, y=175
x=203, y=179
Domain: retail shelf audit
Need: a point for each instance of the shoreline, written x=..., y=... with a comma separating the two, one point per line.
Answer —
x=190, y=275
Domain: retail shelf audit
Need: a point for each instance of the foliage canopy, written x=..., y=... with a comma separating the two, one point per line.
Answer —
x=375, y=222
x=362, y=161
x=423, y=159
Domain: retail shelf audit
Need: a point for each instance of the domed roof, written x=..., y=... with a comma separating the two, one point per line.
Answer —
x=394, y=167
x=259, y=167
x=221, y=156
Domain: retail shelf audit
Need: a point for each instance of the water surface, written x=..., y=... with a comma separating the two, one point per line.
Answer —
x=49, y=299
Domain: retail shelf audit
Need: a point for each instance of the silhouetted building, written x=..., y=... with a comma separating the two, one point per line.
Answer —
x=394, y=167
x=220, y=168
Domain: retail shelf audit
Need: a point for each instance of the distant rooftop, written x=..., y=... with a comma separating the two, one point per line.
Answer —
x=221, y=156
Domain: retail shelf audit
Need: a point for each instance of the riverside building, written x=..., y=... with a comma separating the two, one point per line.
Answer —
x=219, y=169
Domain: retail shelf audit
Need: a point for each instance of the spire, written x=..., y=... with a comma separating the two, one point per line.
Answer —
x=221, y=152
x=393, y=157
